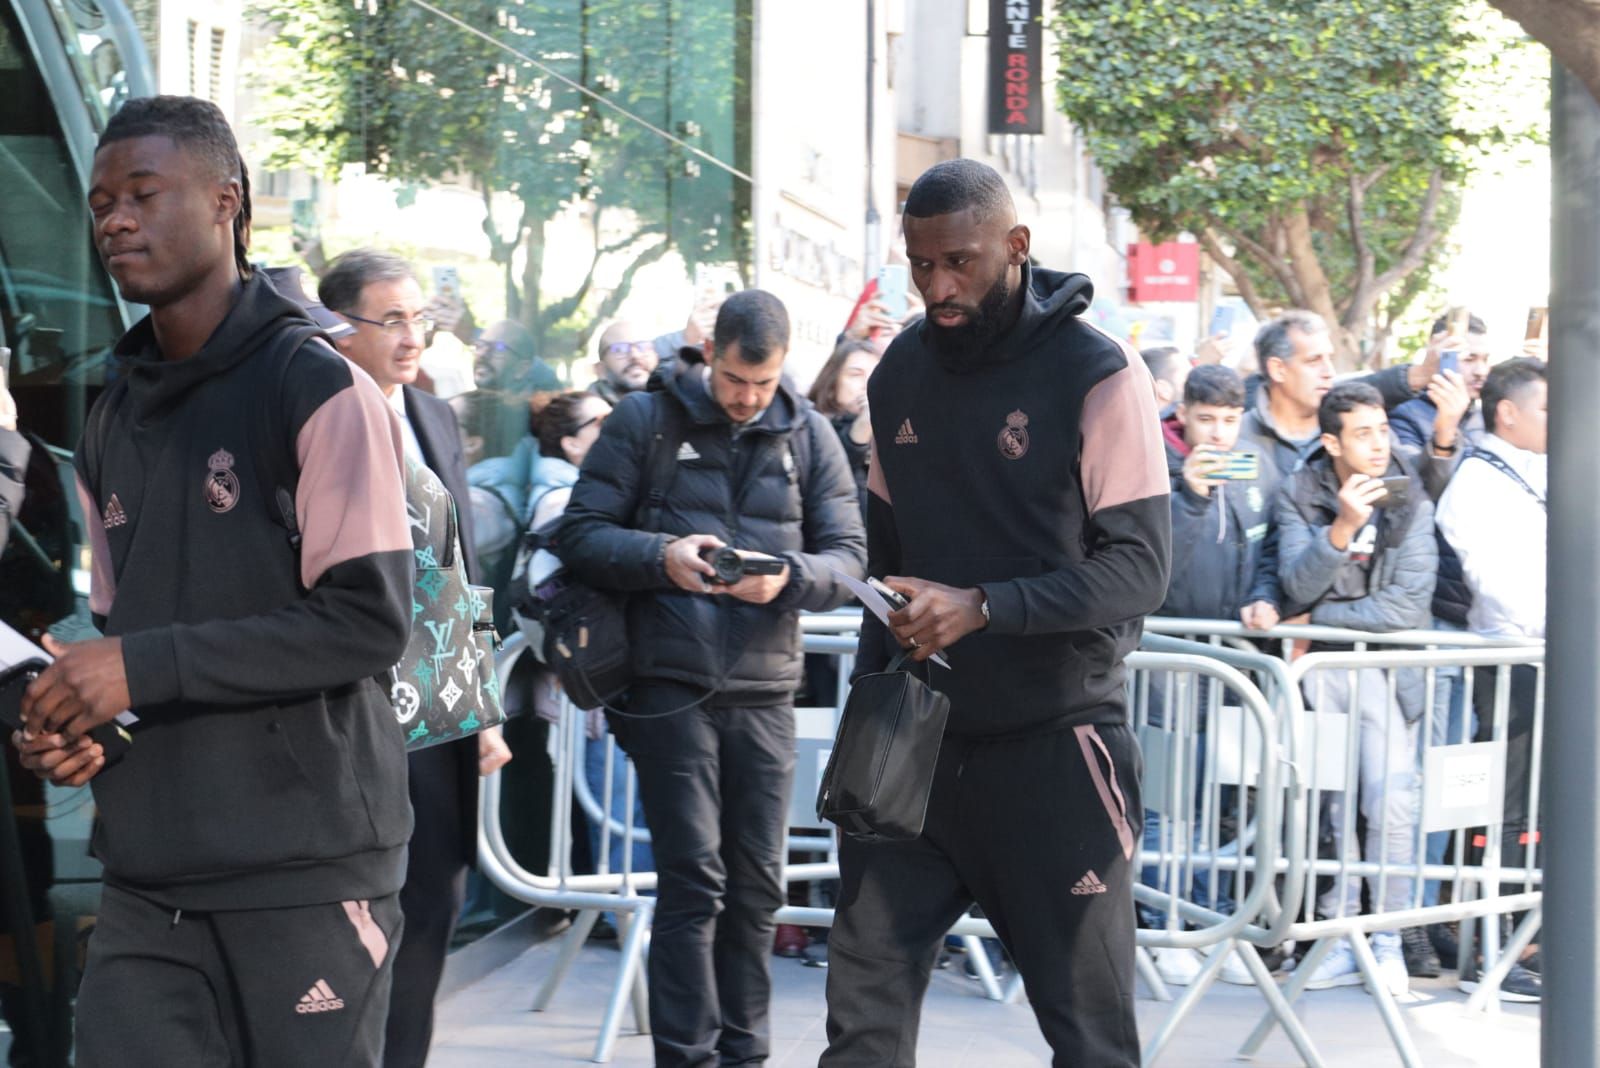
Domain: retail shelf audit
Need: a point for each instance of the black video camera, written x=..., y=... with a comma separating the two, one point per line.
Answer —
x=731, y=565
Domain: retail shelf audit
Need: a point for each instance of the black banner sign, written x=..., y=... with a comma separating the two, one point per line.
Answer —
x=1016, y=99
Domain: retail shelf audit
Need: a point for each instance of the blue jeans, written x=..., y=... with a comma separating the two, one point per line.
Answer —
x=1451, y=723
x=594, y=773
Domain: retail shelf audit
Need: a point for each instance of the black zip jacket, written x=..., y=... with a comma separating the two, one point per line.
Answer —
x=268, y=770
x=744, y=488
x=1217, y=548
x=1039, y=477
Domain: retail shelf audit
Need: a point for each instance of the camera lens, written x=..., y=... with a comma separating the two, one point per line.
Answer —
x=728, y=565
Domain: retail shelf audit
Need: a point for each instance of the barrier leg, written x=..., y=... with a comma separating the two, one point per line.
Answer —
x=623, y=990
x=1386, y=1005
x=979, y=956
x=571, y=944
x=1489, y=982
x=1292, y=1027
x=641, y=992
x=1191, y=997
x=1291, y=993
x=1146, y=968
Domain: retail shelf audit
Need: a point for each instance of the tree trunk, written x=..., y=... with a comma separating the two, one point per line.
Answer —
x=1569, y=28
x=532, y=315
x=1318, y=294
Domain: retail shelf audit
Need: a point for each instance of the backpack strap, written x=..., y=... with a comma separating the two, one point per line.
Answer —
x=669, y=426
x=277, y=467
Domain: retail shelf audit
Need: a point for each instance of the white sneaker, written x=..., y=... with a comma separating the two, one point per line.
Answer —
x=1338, y=968
x=1391, y=962
x=1234, y=971
x=1177, y=967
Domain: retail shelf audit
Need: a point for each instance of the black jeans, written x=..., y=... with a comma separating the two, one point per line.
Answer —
x=715, y=783
x=1041, y=832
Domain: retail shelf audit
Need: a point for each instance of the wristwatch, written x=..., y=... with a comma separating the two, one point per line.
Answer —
x=984, y=606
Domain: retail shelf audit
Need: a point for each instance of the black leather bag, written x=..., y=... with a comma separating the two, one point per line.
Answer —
x=879, y=775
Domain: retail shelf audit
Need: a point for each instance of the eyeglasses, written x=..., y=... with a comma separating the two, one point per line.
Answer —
x=423, y=323
x=617, y=348
x=598, y=420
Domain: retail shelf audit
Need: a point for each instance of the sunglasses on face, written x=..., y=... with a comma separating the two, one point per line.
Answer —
x=619, y=348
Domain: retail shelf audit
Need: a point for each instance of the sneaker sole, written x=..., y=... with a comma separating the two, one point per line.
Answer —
x=1470, y=986
x=1347, y=979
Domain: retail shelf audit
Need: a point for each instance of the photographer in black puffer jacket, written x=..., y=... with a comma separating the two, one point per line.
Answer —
x=709, y=719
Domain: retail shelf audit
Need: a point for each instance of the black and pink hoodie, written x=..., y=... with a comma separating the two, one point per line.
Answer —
x=267, y=770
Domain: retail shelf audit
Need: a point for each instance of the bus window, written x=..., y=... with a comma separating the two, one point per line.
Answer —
x=58, y=312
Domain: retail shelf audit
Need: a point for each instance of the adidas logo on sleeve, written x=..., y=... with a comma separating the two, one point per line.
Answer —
x=321, y=998
x=1089, y=884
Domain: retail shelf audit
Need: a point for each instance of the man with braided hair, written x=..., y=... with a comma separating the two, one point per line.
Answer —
x=254, y=835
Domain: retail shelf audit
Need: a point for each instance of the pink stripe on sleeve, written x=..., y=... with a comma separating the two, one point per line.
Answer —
x=1122, y=458
x=102, y=582
x=351, y=498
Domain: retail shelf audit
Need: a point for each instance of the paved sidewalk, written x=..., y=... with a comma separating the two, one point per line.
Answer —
x=488, y=1025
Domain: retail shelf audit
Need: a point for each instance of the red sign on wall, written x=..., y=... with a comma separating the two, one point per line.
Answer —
x=1169, y=271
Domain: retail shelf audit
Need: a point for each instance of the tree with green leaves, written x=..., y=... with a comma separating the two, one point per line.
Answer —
x=488, y=96
x=1316, y=150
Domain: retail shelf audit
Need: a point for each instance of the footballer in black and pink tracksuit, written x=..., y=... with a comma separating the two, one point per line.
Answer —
x=254, y=836
x=1037, y=476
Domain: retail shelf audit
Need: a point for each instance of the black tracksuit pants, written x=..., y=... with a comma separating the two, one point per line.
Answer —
x=306, y=986
x=1041, y=832
x=715, y=783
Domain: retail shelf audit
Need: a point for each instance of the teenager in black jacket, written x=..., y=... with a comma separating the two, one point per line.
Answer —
x=709, y=720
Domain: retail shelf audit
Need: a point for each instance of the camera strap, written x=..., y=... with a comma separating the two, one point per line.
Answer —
x=1499, y=464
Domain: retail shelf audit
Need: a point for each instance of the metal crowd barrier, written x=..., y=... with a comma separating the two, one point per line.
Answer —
x=1345, y=713
x=1242, y=750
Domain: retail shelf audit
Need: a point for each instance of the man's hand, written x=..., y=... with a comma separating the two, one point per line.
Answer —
x=1448, y=392
x=1213, y=349
x=1419, y=374
x=937, y=617
x=56, y=760
x=452, y=316
x=85, y=687
x=685, y=567
x=872, y=321
x=493, y=752
x=1537, y=348
x=1357, y=498
x=702, y=320
x=757, y=589
x=1200, y=465
x=1259, y=615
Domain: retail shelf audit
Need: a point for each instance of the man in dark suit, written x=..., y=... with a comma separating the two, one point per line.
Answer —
x=377, y=295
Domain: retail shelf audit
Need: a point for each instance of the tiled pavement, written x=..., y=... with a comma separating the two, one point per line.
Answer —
x=488, y=1025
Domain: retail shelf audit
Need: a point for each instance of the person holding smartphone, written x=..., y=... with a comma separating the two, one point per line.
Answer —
x=1356, y=550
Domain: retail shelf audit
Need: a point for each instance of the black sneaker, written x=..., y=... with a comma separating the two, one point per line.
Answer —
x=1445, y=943
x=1422, y=962
x=1520, y=985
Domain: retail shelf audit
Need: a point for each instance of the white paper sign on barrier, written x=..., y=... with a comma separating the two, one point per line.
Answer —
x=1463, y=785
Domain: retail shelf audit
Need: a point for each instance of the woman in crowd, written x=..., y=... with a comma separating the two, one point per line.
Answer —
x=840, y=393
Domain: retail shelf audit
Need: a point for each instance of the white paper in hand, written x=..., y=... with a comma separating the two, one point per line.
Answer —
x=874, y=602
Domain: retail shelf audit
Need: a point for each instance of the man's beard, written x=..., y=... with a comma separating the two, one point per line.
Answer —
x=966, y=347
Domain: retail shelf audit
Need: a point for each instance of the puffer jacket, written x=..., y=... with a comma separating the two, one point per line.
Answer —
x=742, y=486
x=1397, y=591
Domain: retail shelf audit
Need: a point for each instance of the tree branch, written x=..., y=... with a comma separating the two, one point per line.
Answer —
x=1422, y=238
x=1366, y=259
x=1236, y=270
x=1278, y=265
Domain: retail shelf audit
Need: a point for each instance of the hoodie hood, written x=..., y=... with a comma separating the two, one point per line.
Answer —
x=1048, y=297
x=156, y=384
